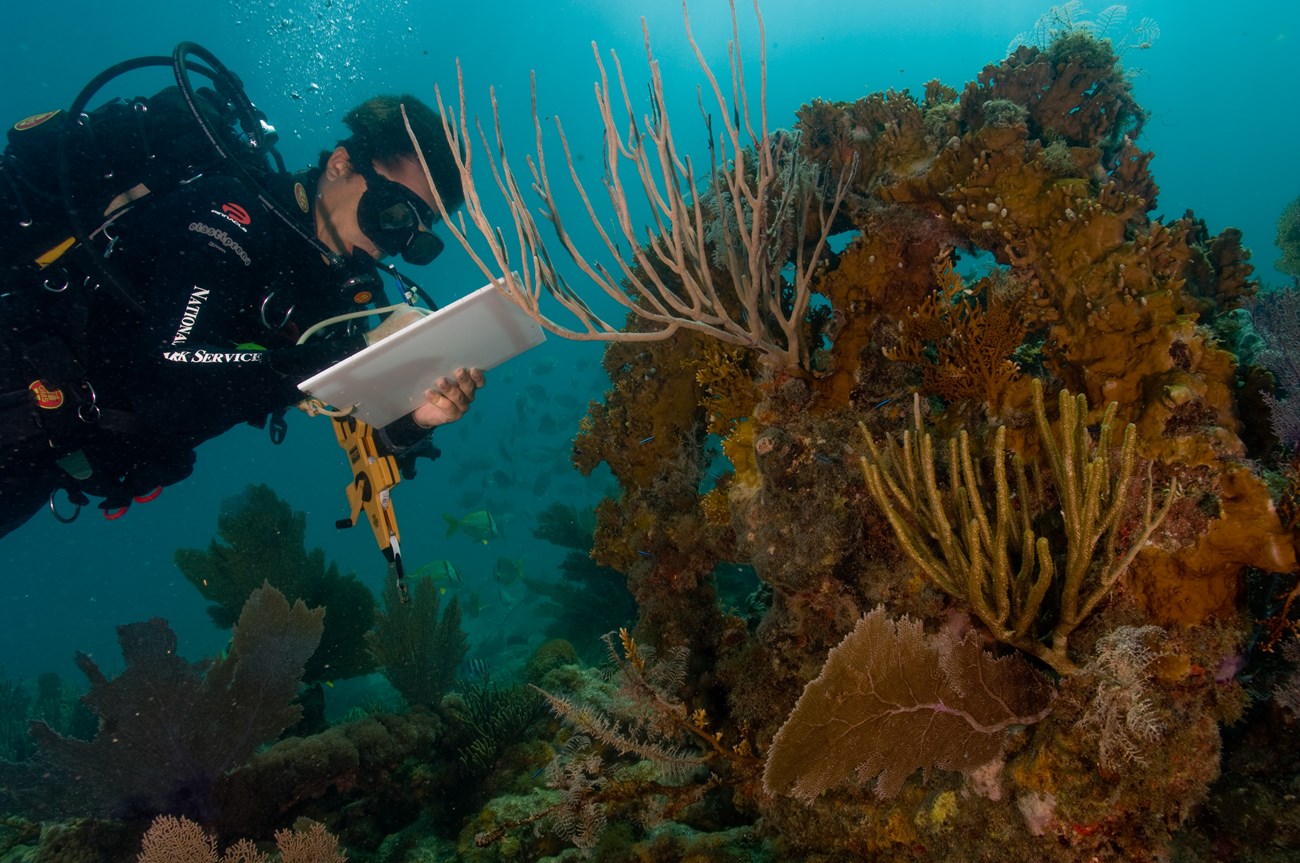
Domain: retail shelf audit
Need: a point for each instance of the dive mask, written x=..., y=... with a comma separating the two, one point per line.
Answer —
x=396, y=219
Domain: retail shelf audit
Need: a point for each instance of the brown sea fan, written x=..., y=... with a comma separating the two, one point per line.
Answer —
x=890, y=701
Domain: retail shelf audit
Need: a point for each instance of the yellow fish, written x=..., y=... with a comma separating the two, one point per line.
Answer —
x=440, y=571
x=479, y=525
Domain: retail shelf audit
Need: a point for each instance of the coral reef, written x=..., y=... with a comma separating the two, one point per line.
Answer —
x=1000, y=249
x=635, y=751
x=364, y=765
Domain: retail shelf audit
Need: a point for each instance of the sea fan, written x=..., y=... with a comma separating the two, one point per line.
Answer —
x=890, y=701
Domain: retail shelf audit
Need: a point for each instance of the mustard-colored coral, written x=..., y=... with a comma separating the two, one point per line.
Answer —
x=726, y=375
x=1204, y=581
x=714, y=506
x=941, y=811
x=979, y=546
x=963, y=339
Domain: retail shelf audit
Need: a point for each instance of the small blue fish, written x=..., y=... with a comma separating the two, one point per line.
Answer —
x=480, y=525
x=647, y=439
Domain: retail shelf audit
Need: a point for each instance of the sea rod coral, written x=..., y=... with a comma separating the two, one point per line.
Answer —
x=671, y=284
x=993, y=561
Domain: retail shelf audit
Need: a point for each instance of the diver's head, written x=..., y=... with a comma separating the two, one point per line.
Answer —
x=373, y=195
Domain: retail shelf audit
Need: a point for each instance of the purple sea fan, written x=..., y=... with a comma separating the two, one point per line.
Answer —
x=169, y=727
x=1276, y=316
x=890, y=701
x=1287, y=692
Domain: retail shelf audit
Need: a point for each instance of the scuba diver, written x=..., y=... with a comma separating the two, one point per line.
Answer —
x=178, y=313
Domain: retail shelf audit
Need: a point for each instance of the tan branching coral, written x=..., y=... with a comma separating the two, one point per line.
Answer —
x=670, y=283
x=993, y=561
x=180, y=840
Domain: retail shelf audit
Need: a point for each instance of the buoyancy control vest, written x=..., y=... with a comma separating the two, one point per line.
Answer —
x=65, y=175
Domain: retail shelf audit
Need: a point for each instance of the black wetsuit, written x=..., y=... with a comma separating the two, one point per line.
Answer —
x=226, y=288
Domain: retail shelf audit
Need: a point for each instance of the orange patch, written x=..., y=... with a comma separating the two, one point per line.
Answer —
x=236, y=212
x=46, y=398
x=362, y=297
x=33, y=121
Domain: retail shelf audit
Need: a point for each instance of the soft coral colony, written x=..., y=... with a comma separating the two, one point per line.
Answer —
x=1004, y=412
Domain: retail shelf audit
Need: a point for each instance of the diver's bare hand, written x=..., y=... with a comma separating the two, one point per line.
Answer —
x=449, y=400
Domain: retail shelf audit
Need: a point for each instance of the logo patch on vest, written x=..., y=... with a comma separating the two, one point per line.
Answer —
x=300, y=195
x=46, y=398
x=33, y=121
x=362, y=297
x=236, y=213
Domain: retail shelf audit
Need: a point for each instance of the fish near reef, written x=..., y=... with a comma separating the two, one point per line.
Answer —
x=480, y=525
x=441, y=571
x=508, y=570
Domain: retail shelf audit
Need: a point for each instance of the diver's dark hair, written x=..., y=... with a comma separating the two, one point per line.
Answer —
x=379, y=134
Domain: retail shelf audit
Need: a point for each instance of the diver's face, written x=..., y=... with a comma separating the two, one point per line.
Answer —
x=338, y=194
